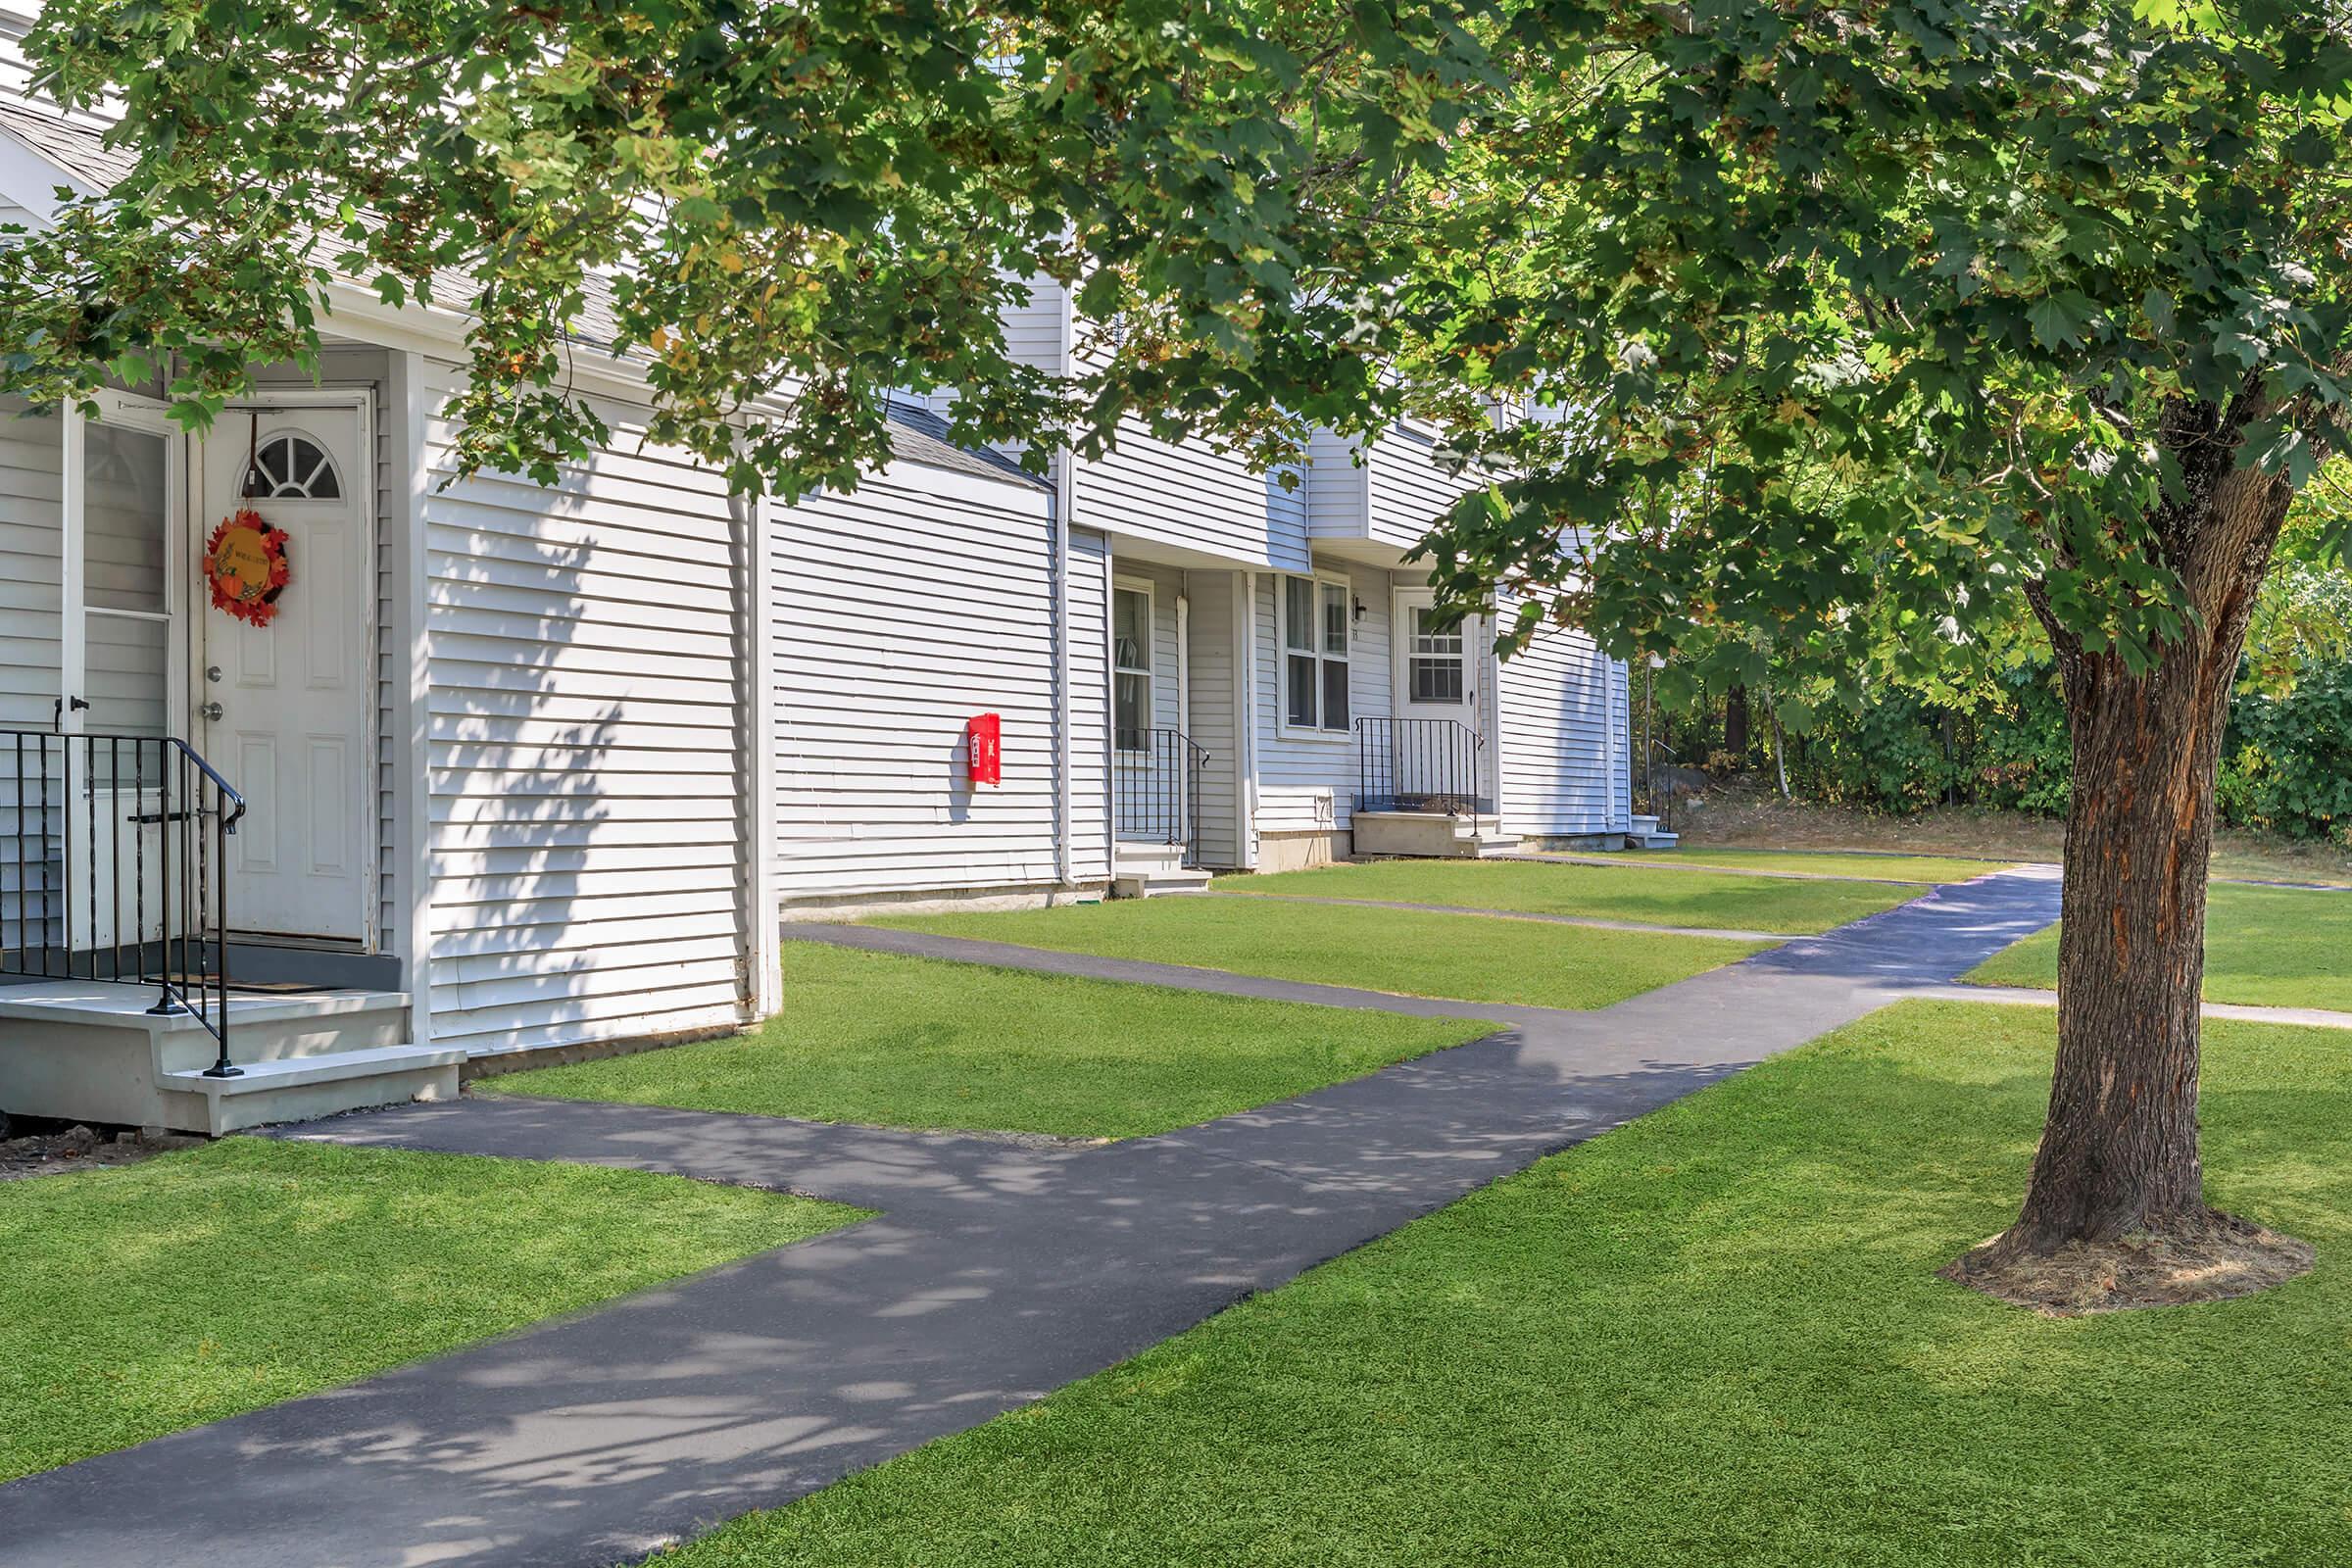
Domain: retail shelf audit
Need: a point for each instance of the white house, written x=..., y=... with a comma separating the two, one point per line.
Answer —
x=1269, y=642
x=521, y=769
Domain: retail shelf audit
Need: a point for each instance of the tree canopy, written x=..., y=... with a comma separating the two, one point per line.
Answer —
x=1873, y=314
x=1843, y=313
x=788, y=210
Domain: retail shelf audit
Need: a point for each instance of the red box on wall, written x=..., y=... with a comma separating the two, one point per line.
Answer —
x=983, y=748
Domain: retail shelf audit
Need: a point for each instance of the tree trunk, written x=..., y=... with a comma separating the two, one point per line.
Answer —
x=1735, y=725
x=1780, y=742
x=2119, y=1154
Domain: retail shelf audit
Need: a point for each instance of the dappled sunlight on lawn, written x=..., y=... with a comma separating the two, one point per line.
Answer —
x=1712, y=1335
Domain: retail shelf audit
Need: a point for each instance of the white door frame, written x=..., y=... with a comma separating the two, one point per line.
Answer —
x=1480, y=699
x=362, y=483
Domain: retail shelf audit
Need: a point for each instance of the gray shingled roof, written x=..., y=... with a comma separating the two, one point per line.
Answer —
x=79, y=148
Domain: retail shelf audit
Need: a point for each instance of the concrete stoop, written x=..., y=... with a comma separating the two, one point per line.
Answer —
x=1144, y=870
x=1642, y=833
x=1431, y=835
x=89, y=1050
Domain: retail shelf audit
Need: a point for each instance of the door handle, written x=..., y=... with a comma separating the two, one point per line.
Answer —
x=210, y=713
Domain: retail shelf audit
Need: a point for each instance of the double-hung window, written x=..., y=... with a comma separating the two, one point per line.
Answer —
x=1131, y=668
x=1314, y=654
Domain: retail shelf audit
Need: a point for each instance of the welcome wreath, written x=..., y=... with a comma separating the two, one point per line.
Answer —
x=245, y=562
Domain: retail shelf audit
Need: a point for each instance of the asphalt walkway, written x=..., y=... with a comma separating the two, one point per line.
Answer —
x=994, y=1272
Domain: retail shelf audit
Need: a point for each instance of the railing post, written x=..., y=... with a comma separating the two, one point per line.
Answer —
x=224, y=822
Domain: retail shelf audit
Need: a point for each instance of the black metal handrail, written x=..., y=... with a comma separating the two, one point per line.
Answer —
x=1647, y=798
x=1155, y=785
x=1420, y=764
x=114, y=866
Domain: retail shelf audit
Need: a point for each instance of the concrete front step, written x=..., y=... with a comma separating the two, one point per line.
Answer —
x=90, y=1051
x=1144, y=870
x=1431, y=835
x=298, y=1087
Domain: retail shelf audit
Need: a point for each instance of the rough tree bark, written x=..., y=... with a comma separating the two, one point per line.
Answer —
x=1735, y=725
x=2117, y=1173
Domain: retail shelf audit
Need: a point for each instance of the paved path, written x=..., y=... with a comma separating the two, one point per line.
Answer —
x=1697, y=860
x=2030, y=996
x=1722, y=933
x=996, y=1273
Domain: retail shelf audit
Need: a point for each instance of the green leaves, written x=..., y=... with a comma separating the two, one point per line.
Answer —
x=2061, y=319
x=1929, y=304
x=1845, y=322
x=787, y=210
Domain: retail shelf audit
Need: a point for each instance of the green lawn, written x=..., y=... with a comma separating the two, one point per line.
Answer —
x=142, y=1298
x=870, y=1037
x=1710, y=1338
x=2267, y=947
x=1825, y=862
x=1718, y=900
x=1466, y=957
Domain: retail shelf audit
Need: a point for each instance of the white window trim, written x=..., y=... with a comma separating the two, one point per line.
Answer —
x=1313, y=734
x=1143, y=586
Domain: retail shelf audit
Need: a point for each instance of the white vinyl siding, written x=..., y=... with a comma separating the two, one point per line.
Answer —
x=1405, y=491
x=1390, y=495
x=1090, y=706
x=1211, y=681
x=1185, y=493
x=32, y=538
x=1037, y=331
x=1337, y=488
x=1563, y=761
x=586, y=738
x=898, y=613
x=32, y=623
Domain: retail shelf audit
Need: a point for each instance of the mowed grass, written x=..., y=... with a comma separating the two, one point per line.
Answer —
x=1645, y=895
x=870, y=1037
x=2263, y=947
x=142, y=1298
x=1466, y=957
x=1711, y=1338
x=1825, y=862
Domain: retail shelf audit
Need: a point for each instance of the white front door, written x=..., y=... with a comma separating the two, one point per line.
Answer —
x=1437, y=673
x=1437, y=666
x=283, y=709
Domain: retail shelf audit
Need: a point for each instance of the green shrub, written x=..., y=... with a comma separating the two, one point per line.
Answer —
x=2286, y=764
x=2286, y=760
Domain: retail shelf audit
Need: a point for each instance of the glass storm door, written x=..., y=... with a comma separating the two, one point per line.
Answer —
x=122, y=588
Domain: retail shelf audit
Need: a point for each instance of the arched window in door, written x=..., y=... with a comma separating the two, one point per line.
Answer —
x=291, y=466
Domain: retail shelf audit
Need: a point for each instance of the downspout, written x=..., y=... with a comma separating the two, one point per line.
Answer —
x=1245, y=751
x=1065, y=490
x=1065, y=736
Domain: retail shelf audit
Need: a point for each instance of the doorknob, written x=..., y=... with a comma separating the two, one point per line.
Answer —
x=210, y=713
x=211, y=672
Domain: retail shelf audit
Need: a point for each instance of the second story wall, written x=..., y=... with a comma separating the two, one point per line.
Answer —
x=1388, y=497
x=1187, y=496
